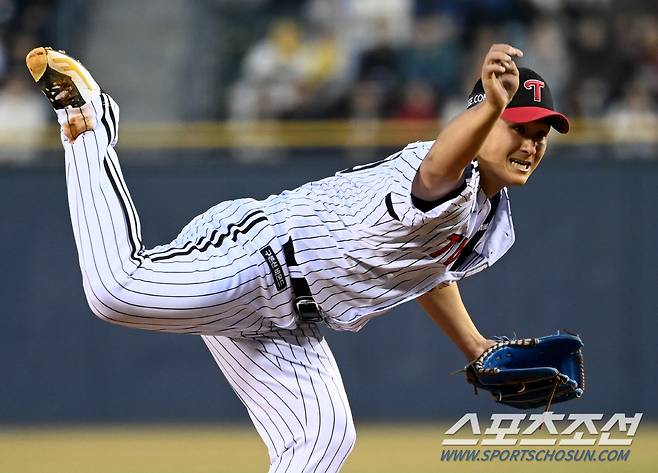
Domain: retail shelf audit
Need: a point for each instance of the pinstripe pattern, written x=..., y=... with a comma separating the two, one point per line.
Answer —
x=360, y=243
x=210, y=279
x=364, y=247
x=290, y=384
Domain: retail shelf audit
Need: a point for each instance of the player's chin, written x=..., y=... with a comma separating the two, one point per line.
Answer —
x=518, y=180
x=517, y=177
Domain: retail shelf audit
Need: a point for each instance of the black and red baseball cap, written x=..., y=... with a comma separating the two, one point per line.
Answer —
x=532, y=101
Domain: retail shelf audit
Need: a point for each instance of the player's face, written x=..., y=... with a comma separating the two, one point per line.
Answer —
x=512, y=152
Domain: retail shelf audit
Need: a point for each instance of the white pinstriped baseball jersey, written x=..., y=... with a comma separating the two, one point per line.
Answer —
x=364, y=247
x=359, y=241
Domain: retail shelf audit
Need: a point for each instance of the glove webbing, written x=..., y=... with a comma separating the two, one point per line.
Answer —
x=581, y=370
x=524, y=342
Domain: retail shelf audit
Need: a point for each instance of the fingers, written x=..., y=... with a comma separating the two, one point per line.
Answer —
x=500, y=74
x=502, y=55
x=495, y=68
x=507, y=49
x=501, y=58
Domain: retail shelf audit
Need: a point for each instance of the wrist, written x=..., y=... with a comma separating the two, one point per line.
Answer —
x=493, y=108
x=476, y=347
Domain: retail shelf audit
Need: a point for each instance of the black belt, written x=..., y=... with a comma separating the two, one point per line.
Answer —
x=307, y=309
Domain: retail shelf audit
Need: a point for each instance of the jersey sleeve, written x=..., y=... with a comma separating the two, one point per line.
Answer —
x=400, y=201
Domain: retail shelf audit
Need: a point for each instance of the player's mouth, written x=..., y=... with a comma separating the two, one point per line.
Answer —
x=520, y=164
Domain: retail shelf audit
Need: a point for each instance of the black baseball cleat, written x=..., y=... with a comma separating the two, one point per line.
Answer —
x=64, y=81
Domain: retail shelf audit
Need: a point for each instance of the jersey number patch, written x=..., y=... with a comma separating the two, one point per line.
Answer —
x=451, y=250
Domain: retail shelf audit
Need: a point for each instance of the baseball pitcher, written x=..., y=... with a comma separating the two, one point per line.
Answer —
x=255, y=279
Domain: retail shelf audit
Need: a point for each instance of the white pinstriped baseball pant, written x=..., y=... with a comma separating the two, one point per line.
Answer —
x=211, y=281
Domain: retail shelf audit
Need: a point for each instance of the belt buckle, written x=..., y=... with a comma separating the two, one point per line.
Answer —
x=307, y=309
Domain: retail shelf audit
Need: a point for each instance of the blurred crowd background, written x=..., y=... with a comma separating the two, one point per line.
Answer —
x=297, y=60
x=222, y=99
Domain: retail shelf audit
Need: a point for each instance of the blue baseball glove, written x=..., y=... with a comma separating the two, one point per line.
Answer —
x=531, y=372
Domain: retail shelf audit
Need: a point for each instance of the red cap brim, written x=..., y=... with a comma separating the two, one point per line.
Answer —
x=531, y=114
